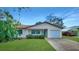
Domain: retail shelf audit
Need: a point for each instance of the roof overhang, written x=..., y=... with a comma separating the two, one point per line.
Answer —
x=27, y=27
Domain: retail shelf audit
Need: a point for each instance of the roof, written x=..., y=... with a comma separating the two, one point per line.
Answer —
x=22, y=26
x=54, y=25
x=71, y=28
x=28, y=26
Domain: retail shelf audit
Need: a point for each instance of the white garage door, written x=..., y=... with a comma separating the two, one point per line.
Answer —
x=54, y=34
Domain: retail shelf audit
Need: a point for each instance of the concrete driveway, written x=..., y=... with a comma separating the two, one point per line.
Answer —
x=64, y=44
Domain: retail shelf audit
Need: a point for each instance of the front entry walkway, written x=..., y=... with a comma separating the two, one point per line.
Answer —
x=64, y=44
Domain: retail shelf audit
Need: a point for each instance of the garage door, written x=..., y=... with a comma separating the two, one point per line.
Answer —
x=54, y=34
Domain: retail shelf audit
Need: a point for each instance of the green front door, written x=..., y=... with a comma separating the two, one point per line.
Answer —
x=45, y=32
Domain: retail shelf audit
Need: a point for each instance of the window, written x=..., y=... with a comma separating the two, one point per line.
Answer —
x=35, y=32
x=19, y=32
x=38, y=32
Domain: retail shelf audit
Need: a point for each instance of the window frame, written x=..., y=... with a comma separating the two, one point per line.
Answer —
x=37, y=32
x=19, y=31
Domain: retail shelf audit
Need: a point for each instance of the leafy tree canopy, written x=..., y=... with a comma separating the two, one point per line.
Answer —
x=8, y=29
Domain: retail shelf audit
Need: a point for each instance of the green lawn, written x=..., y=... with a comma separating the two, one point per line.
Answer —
x=26, y=45
x=72, y=38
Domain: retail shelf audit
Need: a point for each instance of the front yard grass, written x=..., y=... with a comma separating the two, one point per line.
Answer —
x=26, y=45
x=72, y=38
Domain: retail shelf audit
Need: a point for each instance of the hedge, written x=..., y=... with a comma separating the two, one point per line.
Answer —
x=35, y=36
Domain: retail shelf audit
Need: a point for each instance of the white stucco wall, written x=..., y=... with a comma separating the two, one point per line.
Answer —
x=41, y=26
x=24, y=33
x=49, y=28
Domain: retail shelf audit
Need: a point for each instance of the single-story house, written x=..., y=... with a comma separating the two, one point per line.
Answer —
x=45, y=28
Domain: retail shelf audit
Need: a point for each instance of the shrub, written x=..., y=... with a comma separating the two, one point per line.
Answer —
x=35, y=36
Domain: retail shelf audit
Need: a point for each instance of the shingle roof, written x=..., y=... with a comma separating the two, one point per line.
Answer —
x=28, y=26
x=22, y=26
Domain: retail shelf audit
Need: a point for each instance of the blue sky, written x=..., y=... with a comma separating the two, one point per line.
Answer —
x=35, y=14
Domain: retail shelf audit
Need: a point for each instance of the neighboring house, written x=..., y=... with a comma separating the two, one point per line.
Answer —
x=74, y=30
x=47, y=29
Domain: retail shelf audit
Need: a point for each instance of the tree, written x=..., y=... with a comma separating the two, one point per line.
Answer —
x=2, y=29
x=19, y=9
x=11, y=28
x=7, y=27
x=39, y=22
x=54, y=20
